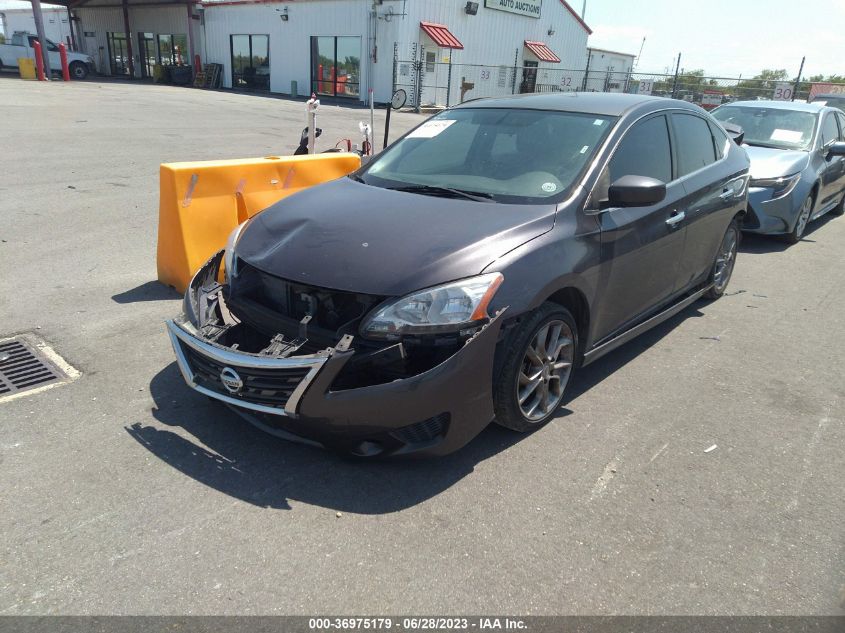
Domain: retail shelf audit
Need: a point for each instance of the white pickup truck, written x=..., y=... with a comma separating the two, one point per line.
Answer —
x=80, y=64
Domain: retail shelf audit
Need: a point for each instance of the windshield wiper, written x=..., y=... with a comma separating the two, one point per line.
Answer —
x=767, y=145
x=356, y=178
x=433, y=190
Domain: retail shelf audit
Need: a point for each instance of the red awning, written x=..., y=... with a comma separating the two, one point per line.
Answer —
x=542, y=52
x=441, y=35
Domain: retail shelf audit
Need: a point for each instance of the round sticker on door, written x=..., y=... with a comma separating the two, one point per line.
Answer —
x=548, y=187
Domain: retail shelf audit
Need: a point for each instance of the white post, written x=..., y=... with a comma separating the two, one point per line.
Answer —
x=311, y=121
x=372, y=117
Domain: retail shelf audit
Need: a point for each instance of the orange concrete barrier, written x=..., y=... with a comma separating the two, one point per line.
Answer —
x=201, y=202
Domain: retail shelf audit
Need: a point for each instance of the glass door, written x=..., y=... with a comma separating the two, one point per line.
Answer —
x=147, y=48
x=165, y=50
x=118, y=55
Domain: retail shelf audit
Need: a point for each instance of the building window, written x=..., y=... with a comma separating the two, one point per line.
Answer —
x=336, y=66
x=250, y=61
x=173, y=49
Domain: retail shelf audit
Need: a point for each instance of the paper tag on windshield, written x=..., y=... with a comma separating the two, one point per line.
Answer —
x=430, y=129
x=786, y=136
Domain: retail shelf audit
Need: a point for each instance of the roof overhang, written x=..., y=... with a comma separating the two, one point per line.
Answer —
x=542, y=52
x=105, y=4
x=441, y=35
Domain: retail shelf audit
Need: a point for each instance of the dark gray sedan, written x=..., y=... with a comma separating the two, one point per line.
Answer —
x=797, y=165
x=466, y=272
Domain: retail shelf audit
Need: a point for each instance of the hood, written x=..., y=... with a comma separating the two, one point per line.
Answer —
x=350, y=236
x=774, y=163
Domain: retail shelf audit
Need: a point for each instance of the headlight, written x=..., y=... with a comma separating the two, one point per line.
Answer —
x=446, y=308
x=229, y=261
x=779, y=186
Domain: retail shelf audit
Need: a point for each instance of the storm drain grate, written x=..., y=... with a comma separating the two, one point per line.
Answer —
x=24, y=367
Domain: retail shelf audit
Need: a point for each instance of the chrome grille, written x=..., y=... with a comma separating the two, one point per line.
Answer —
x=266, y=386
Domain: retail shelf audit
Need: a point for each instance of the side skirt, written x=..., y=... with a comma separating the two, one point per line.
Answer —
x=612, y=344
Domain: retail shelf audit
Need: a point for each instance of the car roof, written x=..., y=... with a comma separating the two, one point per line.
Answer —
x=603, y=103
x=798, y=106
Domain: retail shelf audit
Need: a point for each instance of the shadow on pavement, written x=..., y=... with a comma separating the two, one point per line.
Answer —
x=211, y=444
x=148, y=291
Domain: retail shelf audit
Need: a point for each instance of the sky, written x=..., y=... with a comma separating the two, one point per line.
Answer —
x=723, y=37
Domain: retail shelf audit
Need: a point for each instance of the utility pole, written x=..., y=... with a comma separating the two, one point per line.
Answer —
x=42, y=39
x=675, y=82
x=798, y=80
x=640, y=54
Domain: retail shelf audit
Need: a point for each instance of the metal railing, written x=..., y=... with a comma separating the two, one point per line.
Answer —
x=439, y=83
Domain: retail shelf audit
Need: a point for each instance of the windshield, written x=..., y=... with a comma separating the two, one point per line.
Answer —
x=771, y=127
x=505, y=155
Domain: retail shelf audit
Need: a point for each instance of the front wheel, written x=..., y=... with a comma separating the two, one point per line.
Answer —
x=803, y=219
x=78, y=70
x=723, y=267
x=539, y=358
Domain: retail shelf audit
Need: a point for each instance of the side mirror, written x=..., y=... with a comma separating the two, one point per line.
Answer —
x=836, y=149
x=736, y=133
x=635, y=191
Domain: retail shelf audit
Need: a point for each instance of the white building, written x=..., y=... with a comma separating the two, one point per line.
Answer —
x=159, y=32
x=441, y=51
x=608, y=71
x=444, y=50
x=18, y=17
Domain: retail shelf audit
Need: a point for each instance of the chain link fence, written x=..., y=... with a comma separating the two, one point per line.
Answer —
x=432, y=82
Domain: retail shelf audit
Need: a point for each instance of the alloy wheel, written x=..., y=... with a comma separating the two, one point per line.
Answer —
x=804, y=217
x=726, y=259
x=546, y=369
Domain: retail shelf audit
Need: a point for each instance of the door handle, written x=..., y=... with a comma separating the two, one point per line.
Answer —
x=727, y=194
x=676, y=217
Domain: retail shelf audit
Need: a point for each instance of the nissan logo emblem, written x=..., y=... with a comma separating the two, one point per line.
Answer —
x=231, y=380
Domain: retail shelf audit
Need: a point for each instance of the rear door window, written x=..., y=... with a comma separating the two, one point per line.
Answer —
x=694, y=143
x=720, y=140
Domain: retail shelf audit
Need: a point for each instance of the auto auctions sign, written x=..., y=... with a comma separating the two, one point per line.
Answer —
x=530, y=8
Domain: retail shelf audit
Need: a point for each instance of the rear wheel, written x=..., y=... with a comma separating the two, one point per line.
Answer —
x=536, y=369
x=803, y=219
x=839, y=209
x=78, y=70
x=723, y=267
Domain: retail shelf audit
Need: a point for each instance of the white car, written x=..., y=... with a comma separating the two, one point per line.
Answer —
x=79, y=63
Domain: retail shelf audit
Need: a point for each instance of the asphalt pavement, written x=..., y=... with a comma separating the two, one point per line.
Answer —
x=123, y=492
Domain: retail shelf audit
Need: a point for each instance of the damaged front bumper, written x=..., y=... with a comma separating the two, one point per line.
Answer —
x=294, y=396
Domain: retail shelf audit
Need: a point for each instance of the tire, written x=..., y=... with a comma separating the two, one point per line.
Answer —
x=839, y=209
x=522, y=366
x=802, y=221
x=723, y=266
x=78, y=71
